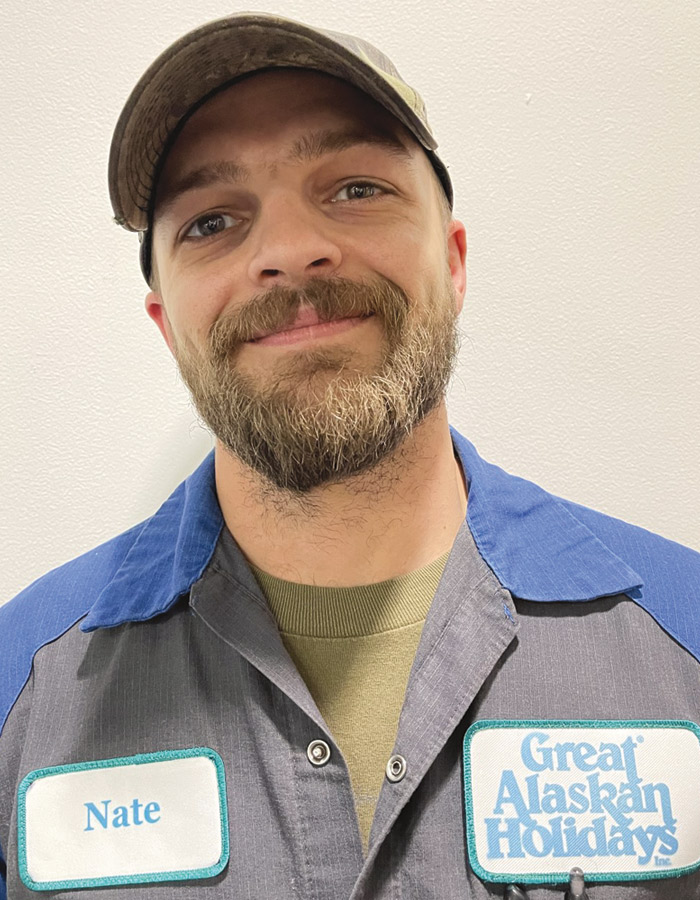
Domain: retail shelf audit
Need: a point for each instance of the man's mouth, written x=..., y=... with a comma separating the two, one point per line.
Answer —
x=307, y=326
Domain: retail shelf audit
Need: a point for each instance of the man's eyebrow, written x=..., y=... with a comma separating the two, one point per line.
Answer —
x=305, y=149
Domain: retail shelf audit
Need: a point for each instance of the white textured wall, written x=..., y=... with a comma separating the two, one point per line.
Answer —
x=572, y=132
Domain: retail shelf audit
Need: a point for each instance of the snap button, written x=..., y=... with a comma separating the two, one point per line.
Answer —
x=396, y=768
x=513, y=892
x=318, y=752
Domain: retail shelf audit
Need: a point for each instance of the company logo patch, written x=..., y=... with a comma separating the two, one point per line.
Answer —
x=132, y=820
x=618, y=799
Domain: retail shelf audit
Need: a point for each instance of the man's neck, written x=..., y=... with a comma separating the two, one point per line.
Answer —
x=399, y=517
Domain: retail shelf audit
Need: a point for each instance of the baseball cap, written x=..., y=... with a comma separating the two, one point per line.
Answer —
x=211, y=58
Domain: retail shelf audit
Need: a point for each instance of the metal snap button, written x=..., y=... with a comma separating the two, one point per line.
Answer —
x=513, y=892
x=318, y=752
x=396, y=768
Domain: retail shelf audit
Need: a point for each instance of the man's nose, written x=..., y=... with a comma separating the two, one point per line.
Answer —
x=293, y=242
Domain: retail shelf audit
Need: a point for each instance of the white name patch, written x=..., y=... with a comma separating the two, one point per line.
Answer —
x=152, y=817
x=618, y=799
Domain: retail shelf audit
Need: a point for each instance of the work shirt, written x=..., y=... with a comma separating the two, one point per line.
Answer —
x=161, y=641
x=354, y=648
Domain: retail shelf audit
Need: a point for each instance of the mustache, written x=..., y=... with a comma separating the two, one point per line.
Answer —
x=330, y=298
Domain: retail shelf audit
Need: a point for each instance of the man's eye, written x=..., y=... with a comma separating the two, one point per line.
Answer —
x=209, y=225
x=214, y=223
x=358, y=190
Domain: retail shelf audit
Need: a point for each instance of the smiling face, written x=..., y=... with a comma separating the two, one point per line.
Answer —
x=308, y=284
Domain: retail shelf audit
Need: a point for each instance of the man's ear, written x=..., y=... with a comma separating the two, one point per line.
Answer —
x=156, y=310
x=456, y=257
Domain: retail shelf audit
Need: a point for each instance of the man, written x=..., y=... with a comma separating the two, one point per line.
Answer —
x=347, y=657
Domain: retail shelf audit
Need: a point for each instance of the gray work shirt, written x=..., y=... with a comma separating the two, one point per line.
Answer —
x=211, y=671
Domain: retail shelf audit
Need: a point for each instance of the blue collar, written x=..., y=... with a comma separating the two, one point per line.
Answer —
x=537, y=548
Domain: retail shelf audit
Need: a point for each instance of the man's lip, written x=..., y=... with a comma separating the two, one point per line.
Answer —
x=305, y=318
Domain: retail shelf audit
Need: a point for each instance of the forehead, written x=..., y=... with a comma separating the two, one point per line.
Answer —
x=276, y=97
x=269, y=111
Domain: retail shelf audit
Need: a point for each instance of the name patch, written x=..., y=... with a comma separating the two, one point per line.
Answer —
x=132, y=820
x=618, y=799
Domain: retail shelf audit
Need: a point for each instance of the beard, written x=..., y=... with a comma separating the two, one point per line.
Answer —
x=318, y=417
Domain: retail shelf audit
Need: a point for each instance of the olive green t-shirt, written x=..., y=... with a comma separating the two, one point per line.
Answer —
x=354, y=647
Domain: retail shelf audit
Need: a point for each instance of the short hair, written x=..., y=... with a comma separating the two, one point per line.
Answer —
x=444, y=204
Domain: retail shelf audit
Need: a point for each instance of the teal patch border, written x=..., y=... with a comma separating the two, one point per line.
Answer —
x=559, y=877
x=146, y=877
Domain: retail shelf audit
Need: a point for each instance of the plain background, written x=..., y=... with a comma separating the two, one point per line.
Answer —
x=572, y=134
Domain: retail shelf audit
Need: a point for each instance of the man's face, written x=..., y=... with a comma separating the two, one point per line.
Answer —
x=309, y=290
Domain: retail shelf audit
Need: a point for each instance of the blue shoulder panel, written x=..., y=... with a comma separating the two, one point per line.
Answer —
x=544, y=548
x=670, y=571
x=50, y=606
x=132, y=577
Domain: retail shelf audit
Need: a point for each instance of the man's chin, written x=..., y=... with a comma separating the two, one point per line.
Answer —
x=307, y=369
